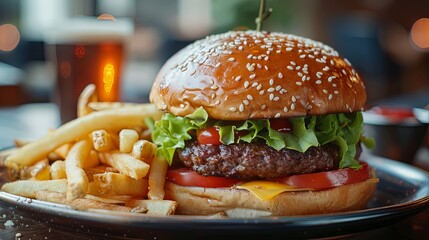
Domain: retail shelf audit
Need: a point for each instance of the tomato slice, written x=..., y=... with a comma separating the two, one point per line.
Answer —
x=281, y=125
x=208, y=136
x=187, y=177
x=328, y=179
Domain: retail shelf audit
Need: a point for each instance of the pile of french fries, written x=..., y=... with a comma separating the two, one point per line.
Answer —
x=101, y=161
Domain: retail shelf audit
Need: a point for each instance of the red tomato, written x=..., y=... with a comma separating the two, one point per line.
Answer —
x=208, y=136
x=328, y=179
x=281, y=124
x=187, y=177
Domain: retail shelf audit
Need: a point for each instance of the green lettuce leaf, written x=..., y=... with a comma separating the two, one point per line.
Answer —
x=344, y=130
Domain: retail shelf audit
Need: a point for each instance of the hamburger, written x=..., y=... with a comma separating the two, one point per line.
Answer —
x=261, y=123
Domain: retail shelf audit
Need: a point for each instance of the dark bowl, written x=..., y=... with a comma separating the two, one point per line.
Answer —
x=395, y=140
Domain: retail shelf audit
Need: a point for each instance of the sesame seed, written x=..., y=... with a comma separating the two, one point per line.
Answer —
x=270, y=89
x=332, y=62
x=310, y=56
x=298, y=83
x=271, y=97
x=285, y=109
x=217, y=102
x=278, y=51
x=331, y=78
x=302, y=56
x=293, y=63
x=326, y=68
x=217, y=65
x=266, y=58
x=266, y=67
x=254, y=84
x=277, y=115
x=334, y=85
x=250, y=67
x=241, y=108
x=325, y=91
x=249, y=56
x=231, y=59
x=246, y=84
x=278, y=88
x=290, y=68
x=293, y=99
x=271, y=82
x=252, y=76
x=303, y=78
x=261, y=92
x=213, y=87
x=240, y=48
x=259, y=87
x=298, y=67
x=232, y=109
x=280, y=75
x=249, y=97
x=246, y=102
x=263, y=107
x=330, y=96
x=182, y=105
x=344, y=72
x=259, y=65
x=319, y=82
x=276, y=99
x=213, y=96
x=336, y=92
x=292, y=106
x=237, y=78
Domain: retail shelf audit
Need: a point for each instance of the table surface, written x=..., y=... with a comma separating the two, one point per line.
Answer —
x=34, y=120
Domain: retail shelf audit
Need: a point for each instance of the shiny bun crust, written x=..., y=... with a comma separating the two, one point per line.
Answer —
x=241, y=203
x=244, y=75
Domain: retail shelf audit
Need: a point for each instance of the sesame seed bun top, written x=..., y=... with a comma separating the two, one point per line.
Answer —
x=245, y=75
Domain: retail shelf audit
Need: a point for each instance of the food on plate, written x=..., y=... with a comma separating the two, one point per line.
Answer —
x=261, y=123
x=99, y=162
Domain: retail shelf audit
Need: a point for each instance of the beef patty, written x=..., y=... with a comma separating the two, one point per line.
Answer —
x=257, y=160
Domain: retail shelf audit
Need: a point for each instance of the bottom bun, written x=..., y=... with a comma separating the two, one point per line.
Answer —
x=242, y=203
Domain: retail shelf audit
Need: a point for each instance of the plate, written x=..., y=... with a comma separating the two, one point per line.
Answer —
x=403, y=191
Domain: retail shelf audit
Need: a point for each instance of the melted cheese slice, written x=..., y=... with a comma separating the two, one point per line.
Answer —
x=266, y=190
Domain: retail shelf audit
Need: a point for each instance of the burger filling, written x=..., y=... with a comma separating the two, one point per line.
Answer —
x=301, y=153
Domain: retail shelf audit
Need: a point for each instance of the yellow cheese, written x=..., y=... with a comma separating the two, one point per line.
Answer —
x=265, y=190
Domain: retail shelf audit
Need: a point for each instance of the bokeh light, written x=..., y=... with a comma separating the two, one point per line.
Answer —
x=9, y=37
x=420, y=33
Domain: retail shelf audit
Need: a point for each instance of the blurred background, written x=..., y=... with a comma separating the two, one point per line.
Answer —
x=386, y=40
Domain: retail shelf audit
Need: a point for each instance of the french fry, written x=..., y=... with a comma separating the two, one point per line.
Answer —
x=102, y=106
x=127, y=164
x=102, y=140
x=91, y=161
x=104, y=200
x=127, y=138
x=21, y=142
x=51, y=196
x=153, y=207
x=94, y=190
x=157, y=174
x=77, y=181
x=114, y=119
x=38, y=171
x=79, y=203
x=58, y=170
x=88, y=95
x=63, y=150
x=144, y=150
x=120, y=184
x=28, y=188
x=6, y=153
